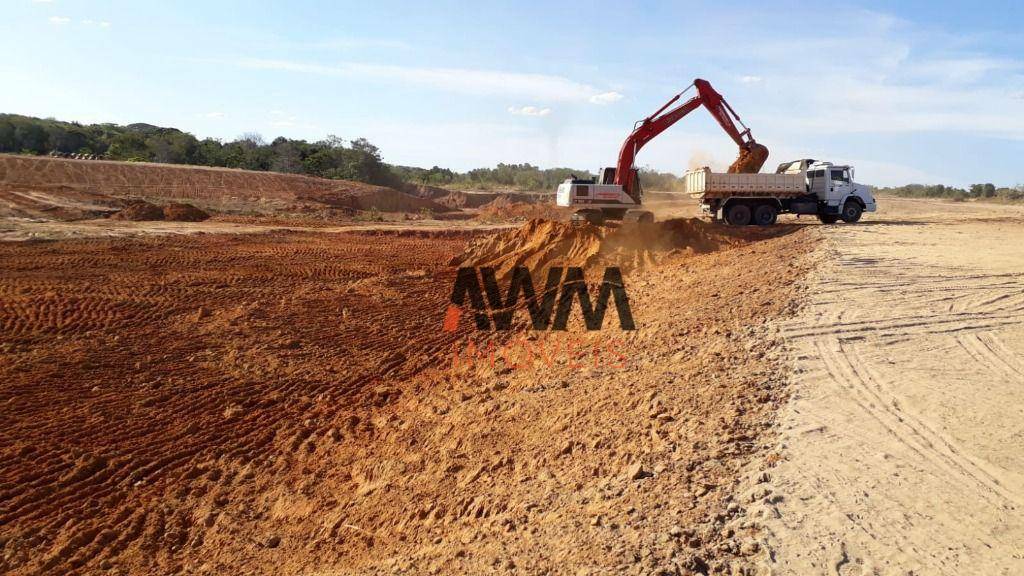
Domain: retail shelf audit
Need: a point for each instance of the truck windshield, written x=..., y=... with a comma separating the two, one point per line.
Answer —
x=841, y=175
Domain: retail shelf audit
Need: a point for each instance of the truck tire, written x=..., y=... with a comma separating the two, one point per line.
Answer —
x=828, y=218
x=851, y=212
x=765, y=215
x=738, y=214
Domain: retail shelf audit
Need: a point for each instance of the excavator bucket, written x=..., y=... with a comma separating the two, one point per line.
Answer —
x=750, y=159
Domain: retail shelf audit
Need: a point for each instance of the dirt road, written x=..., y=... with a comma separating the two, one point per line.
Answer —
x=902, y=446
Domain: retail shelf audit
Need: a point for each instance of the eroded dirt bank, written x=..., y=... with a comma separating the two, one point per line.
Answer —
x=284, y=403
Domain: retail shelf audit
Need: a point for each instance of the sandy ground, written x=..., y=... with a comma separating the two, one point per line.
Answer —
x=902, y=445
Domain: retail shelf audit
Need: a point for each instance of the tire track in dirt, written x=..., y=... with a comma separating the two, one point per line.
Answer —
x=897, y=445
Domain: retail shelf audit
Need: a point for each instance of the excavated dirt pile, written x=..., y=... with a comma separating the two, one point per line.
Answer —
x=539, y=244
x=142, y=211
x=506, y=208
x=139, y=211
x=179, y=212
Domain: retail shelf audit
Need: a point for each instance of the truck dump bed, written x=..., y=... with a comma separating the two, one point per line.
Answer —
x=705, y=183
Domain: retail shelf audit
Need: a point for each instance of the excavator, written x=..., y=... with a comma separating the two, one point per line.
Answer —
x=618, y=194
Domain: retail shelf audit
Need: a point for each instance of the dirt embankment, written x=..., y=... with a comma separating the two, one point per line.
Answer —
x=75, y=189
x=285, y=403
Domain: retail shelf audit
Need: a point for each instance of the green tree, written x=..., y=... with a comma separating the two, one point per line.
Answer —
x=32, y=138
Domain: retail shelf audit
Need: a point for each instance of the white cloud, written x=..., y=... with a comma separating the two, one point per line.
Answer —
x=357, y=43
x=605, y=98
x=59, y=20
x=898, y=78
x=529, y=111
x=462, y=80
x=100, y=23
x=213, y=115
x=42, y=1
x=282, y=119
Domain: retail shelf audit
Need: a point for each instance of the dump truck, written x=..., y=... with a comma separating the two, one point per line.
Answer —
x=807, y=186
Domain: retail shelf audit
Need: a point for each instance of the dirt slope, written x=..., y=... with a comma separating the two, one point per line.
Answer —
x=540, y=244
x=284, y=403
x=26, y=181
x=902, y=446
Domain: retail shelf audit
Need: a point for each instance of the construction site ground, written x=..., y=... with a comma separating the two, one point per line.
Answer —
x=803, y=399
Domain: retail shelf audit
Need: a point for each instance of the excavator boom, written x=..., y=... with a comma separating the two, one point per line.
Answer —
x=752, y=155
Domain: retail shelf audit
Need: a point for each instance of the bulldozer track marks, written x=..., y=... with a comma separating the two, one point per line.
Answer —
x=157, y=333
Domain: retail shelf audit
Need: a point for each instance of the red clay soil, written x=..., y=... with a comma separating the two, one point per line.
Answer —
x=54, y=202
x=139, y=211
x=285, y=403
x=237, y=189
x=540, y=244
x=506, y=209
x=179, y=212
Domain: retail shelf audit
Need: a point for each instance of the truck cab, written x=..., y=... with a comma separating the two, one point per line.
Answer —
x=837, y=192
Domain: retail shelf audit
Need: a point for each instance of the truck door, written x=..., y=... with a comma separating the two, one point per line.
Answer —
x=818, y=183
x=839, y=185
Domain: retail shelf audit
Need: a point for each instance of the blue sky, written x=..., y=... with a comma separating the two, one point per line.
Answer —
x=915, y=92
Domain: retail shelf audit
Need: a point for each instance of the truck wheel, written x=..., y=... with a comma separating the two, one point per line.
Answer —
x=738, y=214
x=851, y=212
x=828, y=218
x=765, y=215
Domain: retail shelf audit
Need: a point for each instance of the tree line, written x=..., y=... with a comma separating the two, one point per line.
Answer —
x=336, y=158
x=982, y=191
x=331, y=157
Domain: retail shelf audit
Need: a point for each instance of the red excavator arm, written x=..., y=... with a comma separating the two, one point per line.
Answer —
x=752, y=155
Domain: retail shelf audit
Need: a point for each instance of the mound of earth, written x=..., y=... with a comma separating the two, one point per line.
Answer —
x=540, y=244
x=461, y=199
x=178, y=212
x=507, y=208
x=139, y=211
x=357, y=196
